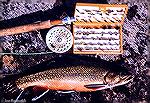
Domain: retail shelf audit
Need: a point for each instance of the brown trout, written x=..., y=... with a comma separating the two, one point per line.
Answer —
x=82, y=78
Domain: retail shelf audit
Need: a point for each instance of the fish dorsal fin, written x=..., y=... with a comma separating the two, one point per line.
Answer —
x=94, y=86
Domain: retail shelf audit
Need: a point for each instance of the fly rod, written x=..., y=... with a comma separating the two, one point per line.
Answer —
x=35, y=26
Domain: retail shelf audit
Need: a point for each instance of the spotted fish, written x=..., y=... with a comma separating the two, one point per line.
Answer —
x=82, y=77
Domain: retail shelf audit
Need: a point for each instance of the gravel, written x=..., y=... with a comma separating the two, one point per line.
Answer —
x=134, y=57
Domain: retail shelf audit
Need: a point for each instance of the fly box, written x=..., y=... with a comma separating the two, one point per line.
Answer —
x=98, y=28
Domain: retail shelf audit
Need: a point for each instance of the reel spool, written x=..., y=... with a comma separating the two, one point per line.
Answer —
x=59, y=39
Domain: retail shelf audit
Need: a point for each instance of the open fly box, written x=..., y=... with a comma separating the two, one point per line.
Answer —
x=98, y=28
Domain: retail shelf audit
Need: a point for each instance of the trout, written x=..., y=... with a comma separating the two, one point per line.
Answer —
x=82, y=77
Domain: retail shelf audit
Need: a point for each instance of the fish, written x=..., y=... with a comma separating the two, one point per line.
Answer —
x=65, y=74
x=72, y=76
x=75, y=78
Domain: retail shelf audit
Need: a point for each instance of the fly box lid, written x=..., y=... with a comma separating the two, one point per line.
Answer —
x=98, y=28
x=100, y=13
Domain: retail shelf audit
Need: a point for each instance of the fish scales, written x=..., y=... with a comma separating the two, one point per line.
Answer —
x=75, y=73
x=69, y=73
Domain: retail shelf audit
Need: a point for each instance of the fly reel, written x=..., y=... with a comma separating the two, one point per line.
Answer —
x=59, y=39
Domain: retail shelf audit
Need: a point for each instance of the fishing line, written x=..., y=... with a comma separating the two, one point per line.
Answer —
x=66, y=92
x=38, y=97
x=26, y=53
x=19, y=96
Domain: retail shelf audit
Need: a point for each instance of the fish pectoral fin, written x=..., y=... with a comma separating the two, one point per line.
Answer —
x=95, y=86
x=67, y=91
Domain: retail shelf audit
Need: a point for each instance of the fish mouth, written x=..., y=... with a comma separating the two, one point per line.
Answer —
x=123, y=81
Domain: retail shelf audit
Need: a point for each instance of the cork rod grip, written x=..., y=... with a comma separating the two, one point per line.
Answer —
x=29, y=27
